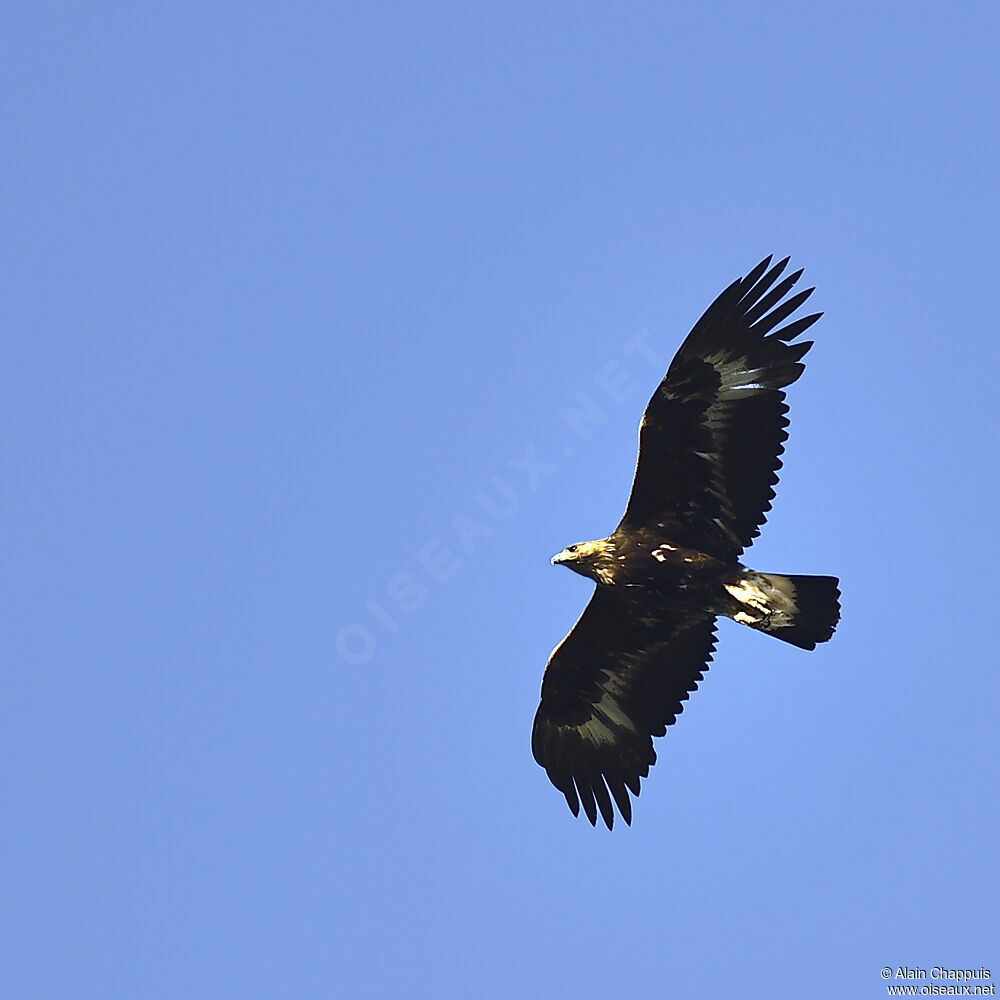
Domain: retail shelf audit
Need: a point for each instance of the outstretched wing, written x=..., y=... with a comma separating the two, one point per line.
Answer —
x=711, y=437
x=617, y=680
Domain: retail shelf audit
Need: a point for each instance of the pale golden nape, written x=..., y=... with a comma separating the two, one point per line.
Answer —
x=581, y=551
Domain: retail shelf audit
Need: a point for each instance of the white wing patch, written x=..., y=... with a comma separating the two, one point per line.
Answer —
x=606, y=717
x=735, y=373
x=611, y=710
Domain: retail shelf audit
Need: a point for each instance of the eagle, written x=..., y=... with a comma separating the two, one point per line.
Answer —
x=710, y=443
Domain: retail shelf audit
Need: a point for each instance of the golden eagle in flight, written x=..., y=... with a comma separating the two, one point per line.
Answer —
x=709, y=447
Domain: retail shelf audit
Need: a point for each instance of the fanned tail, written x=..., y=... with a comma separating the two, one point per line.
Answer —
x=801, y=610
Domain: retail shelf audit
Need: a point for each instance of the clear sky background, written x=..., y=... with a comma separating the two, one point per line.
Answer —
x=292, y=298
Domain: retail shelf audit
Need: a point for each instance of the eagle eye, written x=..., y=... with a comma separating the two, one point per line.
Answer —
x=572, y=548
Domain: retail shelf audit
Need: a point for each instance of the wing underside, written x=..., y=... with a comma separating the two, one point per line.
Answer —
x=712, y=435
x=617, y=680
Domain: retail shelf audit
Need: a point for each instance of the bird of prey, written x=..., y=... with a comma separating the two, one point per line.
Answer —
x=709, y=447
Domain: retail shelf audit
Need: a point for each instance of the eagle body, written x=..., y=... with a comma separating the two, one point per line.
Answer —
x=709, y=449
x=656, y=574
x=638, y=558
x=669, y=575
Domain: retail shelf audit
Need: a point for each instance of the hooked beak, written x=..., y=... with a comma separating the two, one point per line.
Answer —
x=559, y=557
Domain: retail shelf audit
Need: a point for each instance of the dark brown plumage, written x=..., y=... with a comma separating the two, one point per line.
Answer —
x=709, y=450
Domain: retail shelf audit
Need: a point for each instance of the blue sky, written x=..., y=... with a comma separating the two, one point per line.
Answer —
x=294, y=297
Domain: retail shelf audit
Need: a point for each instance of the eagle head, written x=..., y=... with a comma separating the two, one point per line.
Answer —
x=588, y=558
